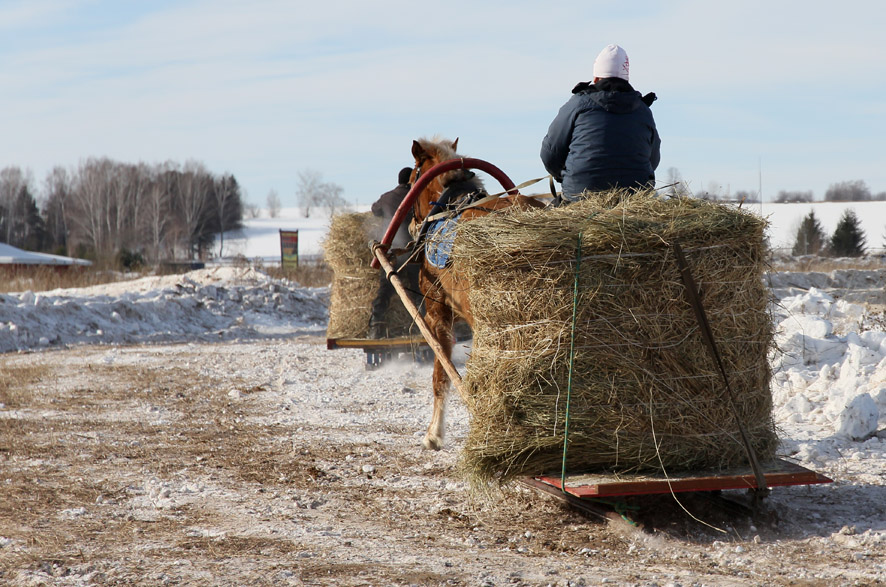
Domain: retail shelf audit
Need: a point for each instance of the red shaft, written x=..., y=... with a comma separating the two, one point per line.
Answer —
x=427, y=177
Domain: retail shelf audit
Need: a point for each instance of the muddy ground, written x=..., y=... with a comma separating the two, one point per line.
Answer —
x=279, y=462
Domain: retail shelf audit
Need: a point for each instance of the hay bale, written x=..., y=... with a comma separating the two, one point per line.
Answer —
x=354, y=281
x=646, y=393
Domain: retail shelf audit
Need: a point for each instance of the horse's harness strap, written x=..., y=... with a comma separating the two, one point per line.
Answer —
x=458, y=210
x=525, y=184
x=447, y=211
x=484, y=200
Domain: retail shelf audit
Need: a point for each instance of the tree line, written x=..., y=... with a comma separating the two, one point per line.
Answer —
x=848, y=239
x=110, y=211
x=842, y=191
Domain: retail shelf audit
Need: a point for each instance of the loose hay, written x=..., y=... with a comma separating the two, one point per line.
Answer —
x=646, y=394
x=355, y=282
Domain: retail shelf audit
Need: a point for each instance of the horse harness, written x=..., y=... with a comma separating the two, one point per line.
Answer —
x=453, y=201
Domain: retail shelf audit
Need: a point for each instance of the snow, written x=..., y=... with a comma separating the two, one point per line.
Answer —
x=830, y=373
x=220, y=303
x=260, y=237
x=785, y=219
x=829, y=369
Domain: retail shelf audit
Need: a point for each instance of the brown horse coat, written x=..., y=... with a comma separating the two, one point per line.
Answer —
x=444, y=289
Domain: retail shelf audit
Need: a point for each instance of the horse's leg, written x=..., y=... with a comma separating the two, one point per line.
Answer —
x=439, y=318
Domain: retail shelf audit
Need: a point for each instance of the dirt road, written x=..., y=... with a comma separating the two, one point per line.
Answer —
x=259, y=463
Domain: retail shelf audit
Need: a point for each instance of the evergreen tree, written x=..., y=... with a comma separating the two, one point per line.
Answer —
x=811, y=238
x=32, y=230
x=848, y=239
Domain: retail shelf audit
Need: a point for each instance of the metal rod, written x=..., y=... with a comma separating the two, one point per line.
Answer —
x=708, y=336
x=435, y=345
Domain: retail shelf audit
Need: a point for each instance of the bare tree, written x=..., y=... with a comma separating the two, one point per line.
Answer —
x=332, y=199
x=192, y=197
x=714, y=192
x=251, y=210
x=674, y=184
x=308, y=191
x=273, y=204
x=156, y=212
x=848, y=191
x=746, y=196
x=112, y=209
x=132, y=183
x=786, y=196
x=312, y=193
x=228, y=208
x=90, y=210
x=57, y=192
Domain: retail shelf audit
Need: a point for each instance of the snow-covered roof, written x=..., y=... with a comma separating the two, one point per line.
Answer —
x=10, y=255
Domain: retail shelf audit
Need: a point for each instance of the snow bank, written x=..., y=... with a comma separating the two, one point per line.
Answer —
x=829, y=371
x=852, y=285
x=212, y=304
x=830, y=366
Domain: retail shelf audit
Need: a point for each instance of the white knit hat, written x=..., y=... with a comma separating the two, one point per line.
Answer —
x=612, y=62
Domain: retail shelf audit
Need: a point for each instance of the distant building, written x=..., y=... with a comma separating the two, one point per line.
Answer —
x=13, y=257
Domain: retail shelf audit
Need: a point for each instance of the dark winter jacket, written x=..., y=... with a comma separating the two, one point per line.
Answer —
x=603, y=137
x=387, y=205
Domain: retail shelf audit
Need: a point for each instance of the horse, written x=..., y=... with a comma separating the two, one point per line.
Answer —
x=444, y=289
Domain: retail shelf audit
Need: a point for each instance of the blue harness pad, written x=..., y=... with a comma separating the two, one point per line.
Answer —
x=438, y=241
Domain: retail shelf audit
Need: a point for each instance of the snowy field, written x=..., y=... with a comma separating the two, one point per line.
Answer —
x=261, y=237
x=785, y=219
x=193, y=429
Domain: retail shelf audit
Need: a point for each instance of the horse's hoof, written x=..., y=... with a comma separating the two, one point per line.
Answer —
x=432, y=443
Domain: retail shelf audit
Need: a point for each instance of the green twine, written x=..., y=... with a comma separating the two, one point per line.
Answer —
x=571, y=362
x=622, y=508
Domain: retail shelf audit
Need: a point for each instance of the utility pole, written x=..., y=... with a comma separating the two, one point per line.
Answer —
x=760, y=182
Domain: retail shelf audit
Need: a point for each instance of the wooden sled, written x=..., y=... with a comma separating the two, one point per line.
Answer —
x=380, y=350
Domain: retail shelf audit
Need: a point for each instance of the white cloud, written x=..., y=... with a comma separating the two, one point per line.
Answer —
x=269, y=87
x=18, y=14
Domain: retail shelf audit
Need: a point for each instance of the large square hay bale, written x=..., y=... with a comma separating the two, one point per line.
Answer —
x=354, y=281
x=645, y=392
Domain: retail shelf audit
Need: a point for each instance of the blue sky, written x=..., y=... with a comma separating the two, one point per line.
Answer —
x=264, y=89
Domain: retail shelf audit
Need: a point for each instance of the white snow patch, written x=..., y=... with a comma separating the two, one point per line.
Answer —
x=214, y=304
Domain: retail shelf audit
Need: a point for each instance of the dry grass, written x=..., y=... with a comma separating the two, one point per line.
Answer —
x=355, y=282
x=258, y=502
x=646, y=394
x=307, y=274
x=45, y=278
x=65, y=448
x=16, y=382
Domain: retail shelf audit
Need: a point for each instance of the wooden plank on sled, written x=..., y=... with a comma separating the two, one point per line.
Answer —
x=369, y=344
x=602, y=511
x=777, y=472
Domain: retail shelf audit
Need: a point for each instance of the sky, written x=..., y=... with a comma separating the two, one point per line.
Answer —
x=778, y=95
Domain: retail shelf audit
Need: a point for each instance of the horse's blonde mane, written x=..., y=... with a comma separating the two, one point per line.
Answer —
x=441, y=145
x=443, y=150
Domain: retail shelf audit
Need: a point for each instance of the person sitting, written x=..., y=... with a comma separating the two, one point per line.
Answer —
x=385, y=207
x=604, y=137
